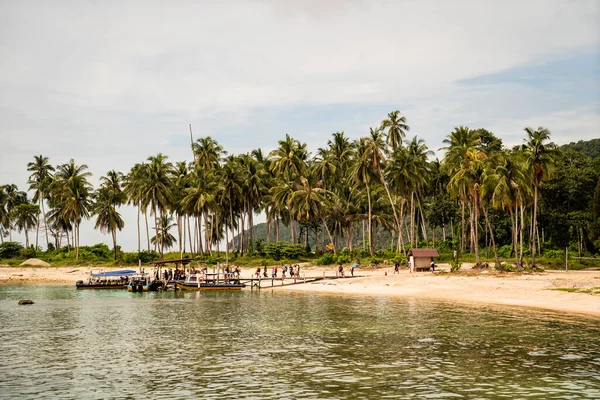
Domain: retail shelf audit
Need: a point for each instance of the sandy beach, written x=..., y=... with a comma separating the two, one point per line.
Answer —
x=536, y=290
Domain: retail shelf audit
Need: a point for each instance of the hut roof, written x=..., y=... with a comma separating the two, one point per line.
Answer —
x=423, y=252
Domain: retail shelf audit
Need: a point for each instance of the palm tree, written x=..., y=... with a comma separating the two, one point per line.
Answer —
x=133, y=188
x=289, y=164
x=460, y=147
x=311, y=202
x=540, y=157
x=363, y=174
x=163, y=237
x=71, y=191
x=39, y=181
x=24, y=216
x=108, y=218
x=12, y=197
x=156, y=186
x=397, y=128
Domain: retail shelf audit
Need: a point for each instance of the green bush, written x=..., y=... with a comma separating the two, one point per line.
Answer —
x=145, y=256
x=29, y=252
x=343, y=258
x=10, y=249
x=327, y=259
x=280, y=250
x=505, y=251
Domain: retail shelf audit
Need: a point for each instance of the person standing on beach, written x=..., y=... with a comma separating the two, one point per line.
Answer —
x=397, y=268
x=410, y=268
x=352, y=269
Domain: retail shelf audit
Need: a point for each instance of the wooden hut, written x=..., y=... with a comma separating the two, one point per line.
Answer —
x=421, y=258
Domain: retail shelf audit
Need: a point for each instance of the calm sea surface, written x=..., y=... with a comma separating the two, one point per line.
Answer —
x=114, y=344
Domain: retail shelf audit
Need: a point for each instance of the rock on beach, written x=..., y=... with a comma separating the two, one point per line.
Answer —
x=35, y=262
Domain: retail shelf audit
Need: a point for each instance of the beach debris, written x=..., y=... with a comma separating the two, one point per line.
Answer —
x=35, y=262
x=25, y=302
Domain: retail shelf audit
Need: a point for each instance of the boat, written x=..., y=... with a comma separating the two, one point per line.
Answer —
x=209, y=282
x=144, y=283
x=107, y=280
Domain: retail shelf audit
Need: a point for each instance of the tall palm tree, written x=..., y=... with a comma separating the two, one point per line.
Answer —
x=540, y=156
x=157, y=187
x=39, y=181
x=461, y=145
x=289, y=164
x=24, y=217
x=108, y=218
x=375, y=151
x=397, y=128
x=363, y=174
x=72, y=190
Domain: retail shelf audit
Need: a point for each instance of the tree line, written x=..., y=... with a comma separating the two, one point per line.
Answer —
x=481, y=193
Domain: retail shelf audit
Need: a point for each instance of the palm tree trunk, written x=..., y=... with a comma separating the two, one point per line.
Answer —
x=268, y=227
x=138, y=232
x=37, y=223
x=412, y=219
x=156, y=240
x=387, y=190
x=114, y=237
x=328, y=233
x=293, y=228
x=277, y=230
x=370, y=223
x=487, y=221
x=400, y=235
x=422, y=218
x=183, y=221
x=77, y=242
x=189, y=229
x=147, y=228
x=26, y=238
x=45, y=223
x=242, y=227
x=463, y=233
x=534, y=224
x=179, y=236
x=513, y=225
x=363, y=235
x=206, y=233
x=521, y=235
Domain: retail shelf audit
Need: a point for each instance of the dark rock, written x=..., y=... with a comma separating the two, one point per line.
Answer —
x=24, y=302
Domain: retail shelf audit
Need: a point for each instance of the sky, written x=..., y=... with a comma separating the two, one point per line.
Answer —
x=112, y=83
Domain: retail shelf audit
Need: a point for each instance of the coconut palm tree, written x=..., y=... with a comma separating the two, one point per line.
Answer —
x=540, y=156
x=12, y=197
x=72, y=191
x=24, y=217
x=156, y=186
x=108, y=218
x=39, y=181
x=164, y=238
x=289, y=164
x=311, y=202
x=363, y=174
x=396, y=127
x=461, y=145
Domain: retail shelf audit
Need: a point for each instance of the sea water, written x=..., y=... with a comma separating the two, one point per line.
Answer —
x=98, y=344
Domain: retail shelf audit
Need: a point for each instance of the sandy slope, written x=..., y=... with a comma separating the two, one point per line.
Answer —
x=528, y=290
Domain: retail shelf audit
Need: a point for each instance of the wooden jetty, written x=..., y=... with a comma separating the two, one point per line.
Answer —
x=264, y=283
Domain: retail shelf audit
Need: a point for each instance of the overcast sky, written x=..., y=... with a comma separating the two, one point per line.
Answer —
x=111, y=83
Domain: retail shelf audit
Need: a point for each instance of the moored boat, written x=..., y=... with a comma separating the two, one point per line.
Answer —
x=107, y=280
x=144, y=283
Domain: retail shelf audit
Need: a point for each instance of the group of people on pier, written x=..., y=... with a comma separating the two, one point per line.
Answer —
x=291, y=270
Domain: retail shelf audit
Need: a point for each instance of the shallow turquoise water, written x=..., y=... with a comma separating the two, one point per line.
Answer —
x=115, y=344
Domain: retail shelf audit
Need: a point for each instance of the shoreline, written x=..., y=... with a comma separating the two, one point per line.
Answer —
x=533, y=290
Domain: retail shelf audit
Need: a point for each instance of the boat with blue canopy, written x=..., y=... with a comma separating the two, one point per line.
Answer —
x=107, y=280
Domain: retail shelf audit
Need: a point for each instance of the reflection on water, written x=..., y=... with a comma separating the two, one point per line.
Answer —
x=110, y=343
